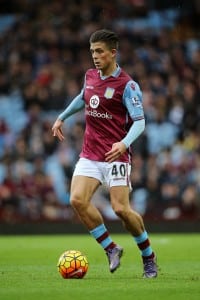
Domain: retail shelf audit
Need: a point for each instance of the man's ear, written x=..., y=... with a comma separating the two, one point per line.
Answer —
x=114, y=52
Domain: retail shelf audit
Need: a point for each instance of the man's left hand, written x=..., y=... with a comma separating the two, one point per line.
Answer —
x=117, y=150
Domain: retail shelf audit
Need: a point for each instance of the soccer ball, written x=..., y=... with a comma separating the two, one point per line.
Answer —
x=72, y=264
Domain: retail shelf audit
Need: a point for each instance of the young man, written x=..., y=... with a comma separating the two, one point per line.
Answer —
x=114, y=119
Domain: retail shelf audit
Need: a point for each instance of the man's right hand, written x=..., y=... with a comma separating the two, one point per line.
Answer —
x=57, y=130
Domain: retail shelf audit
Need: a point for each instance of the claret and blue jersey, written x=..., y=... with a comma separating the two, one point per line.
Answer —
x=112, y=104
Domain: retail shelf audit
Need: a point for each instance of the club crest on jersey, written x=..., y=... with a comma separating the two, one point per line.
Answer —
x=109, y=93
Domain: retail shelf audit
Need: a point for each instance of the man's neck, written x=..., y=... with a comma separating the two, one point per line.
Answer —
x=108, y=72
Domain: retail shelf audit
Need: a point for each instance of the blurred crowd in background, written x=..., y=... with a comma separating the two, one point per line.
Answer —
x=44, y=53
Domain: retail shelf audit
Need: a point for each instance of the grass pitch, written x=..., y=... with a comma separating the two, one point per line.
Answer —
x=28, y=269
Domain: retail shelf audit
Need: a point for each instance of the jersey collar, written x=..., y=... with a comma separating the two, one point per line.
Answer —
x=114, y=74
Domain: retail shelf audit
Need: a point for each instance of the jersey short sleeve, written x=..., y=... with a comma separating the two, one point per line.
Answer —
x=132, y=99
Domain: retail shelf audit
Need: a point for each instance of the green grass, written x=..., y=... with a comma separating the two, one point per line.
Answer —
x=28, y=269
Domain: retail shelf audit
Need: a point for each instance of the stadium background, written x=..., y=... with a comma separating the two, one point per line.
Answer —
x=44, y=52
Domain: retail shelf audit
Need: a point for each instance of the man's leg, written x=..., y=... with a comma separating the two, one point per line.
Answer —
x=82, y=190
x=133, y=222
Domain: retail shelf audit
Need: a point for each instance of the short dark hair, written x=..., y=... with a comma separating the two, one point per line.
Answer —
x=110, y=38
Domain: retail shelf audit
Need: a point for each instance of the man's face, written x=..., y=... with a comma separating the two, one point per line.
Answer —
x=102, y=56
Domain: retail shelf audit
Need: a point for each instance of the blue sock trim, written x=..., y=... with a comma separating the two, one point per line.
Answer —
x=106, y=242
x=147, y=252
x=98, y=231
x=141, y=238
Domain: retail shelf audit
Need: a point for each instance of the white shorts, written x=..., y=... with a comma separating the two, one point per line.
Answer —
x=111, y=174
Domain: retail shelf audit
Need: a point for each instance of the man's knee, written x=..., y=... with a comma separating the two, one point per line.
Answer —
x=120, y=211
x=77, y=202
